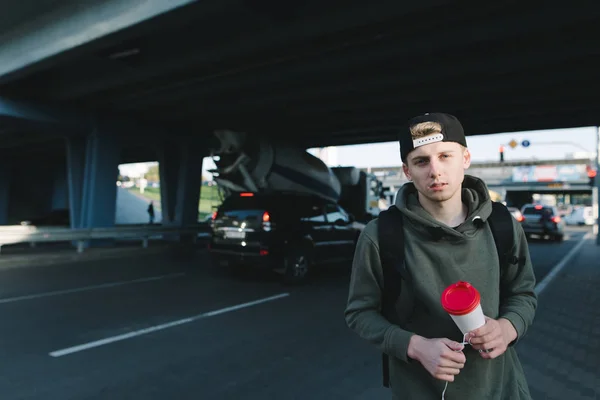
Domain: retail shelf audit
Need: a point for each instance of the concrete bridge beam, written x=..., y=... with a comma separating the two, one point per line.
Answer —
x=5, y=178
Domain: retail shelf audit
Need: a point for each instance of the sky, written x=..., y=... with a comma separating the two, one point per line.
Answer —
x=545, y=145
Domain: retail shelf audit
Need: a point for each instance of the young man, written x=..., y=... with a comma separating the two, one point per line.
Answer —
x=446, y=239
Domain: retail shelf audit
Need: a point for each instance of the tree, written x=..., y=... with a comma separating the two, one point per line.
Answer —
x=152, y=175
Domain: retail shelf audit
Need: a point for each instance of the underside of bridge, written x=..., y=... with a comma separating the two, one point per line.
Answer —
x=127, y=75
x=329, y=73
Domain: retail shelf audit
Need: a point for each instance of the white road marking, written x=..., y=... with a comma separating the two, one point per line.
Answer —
x=102, y=342
x=86, y=288
x=558, y=267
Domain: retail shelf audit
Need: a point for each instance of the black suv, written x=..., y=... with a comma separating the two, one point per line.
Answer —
x=285, y=232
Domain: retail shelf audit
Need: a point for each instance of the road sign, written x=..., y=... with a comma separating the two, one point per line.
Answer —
x=525, y=143
x=513, y=143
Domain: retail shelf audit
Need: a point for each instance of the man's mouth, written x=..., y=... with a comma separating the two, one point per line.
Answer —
x=437, y=185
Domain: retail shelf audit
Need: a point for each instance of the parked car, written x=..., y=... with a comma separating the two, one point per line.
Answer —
x=544, y=221
x=289, y=233
x=581, y=216
x=516, y=213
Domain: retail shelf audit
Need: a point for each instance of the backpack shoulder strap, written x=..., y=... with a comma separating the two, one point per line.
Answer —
x=501, y=224
x=391, y=249
x=390, y=233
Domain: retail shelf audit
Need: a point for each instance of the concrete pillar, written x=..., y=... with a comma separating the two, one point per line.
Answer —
x=102, y=156
x=5, y=177
x=188, y=186
x=75, y=172
x=168, y=168
x=180, y=167
x=92, y=170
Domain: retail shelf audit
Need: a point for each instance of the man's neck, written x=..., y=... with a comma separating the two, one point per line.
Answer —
x=451, y=212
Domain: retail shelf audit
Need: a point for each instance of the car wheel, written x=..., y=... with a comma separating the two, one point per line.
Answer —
x=296, y=264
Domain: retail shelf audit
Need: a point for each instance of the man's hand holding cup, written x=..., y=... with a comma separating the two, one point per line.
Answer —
x=493, y=338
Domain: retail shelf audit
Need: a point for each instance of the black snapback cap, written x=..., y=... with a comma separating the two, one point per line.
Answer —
x=452, y=131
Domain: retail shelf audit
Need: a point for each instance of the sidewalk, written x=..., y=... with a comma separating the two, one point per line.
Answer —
x=561, y=351
x=22, y=256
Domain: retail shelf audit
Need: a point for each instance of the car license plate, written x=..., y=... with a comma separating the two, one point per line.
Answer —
x=235, y=235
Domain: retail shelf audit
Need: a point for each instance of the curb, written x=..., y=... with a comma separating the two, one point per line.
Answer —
x=71, y=256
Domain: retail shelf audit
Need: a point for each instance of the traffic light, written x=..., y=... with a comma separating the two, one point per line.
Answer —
x=501, y=153
x=592, y=175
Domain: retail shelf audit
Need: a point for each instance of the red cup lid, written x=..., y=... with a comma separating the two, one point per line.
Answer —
x=460, y=298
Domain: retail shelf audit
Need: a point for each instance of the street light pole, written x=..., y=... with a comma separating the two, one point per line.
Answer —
x=596, y=190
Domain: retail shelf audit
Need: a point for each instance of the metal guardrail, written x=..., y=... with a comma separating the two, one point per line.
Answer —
x=13, y=234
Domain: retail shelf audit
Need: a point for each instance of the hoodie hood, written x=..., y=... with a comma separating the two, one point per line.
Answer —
x=474, y=194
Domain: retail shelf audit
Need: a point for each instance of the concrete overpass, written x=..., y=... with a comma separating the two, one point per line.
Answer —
x=90, y=86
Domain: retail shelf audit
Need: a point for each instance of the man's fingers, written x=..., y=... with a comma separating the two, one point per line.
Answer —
x=448, y=371
x=484, y=330
x=494, y=344
x=454, y=357
x=489, y=345
x=452, y=345
x=488, y=337
x=444, y=377
x=498, y=351
x=446, y=363
x=488, y=327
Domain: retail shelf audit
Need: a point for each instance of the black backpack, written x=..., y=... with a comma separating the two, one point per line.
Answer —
x=391, y=250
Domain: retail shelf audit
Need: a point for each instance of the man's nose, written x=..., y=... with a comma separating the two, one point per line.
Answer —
x=434, y=168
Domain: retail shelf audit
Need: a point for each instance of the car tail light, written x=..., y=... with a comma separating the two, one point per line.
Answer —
x=266, y=221
x=520, y=218
x=214, y=215
x=555, y=219
x=538, y=207
x=264, y=252
x=246, y=194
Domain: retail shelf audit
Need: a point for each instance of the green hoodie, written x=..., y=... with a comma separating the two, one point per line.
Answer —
x=437, y=256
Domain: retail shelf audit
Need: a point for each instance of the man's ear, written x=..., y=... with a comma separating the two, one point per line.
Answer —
x=406, y=172
x=466, y=158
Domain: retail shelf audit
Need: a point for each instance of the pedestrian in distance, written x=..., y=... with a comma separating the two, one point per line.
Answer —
x=443, y=228
x=151, y=212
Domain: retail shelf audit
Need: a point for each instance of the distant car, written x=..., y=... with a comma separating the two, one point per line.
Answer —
x=565, y=209
x=516, y=213
x=58, y=217
x=581, y=216
x=284, y=232
x=544, y=221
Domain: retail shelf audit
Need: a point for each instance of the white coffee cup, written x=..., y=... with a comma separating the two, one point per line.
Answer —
x=462, y=302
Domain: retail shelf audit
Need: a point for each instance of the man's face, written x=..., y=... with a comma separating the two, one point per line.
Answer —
x=438, y=169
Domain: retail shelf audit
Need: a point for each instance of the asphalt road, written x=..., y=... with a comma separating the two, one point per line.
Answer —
x=164, y=327
x=131, y=209
x=545, y=254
